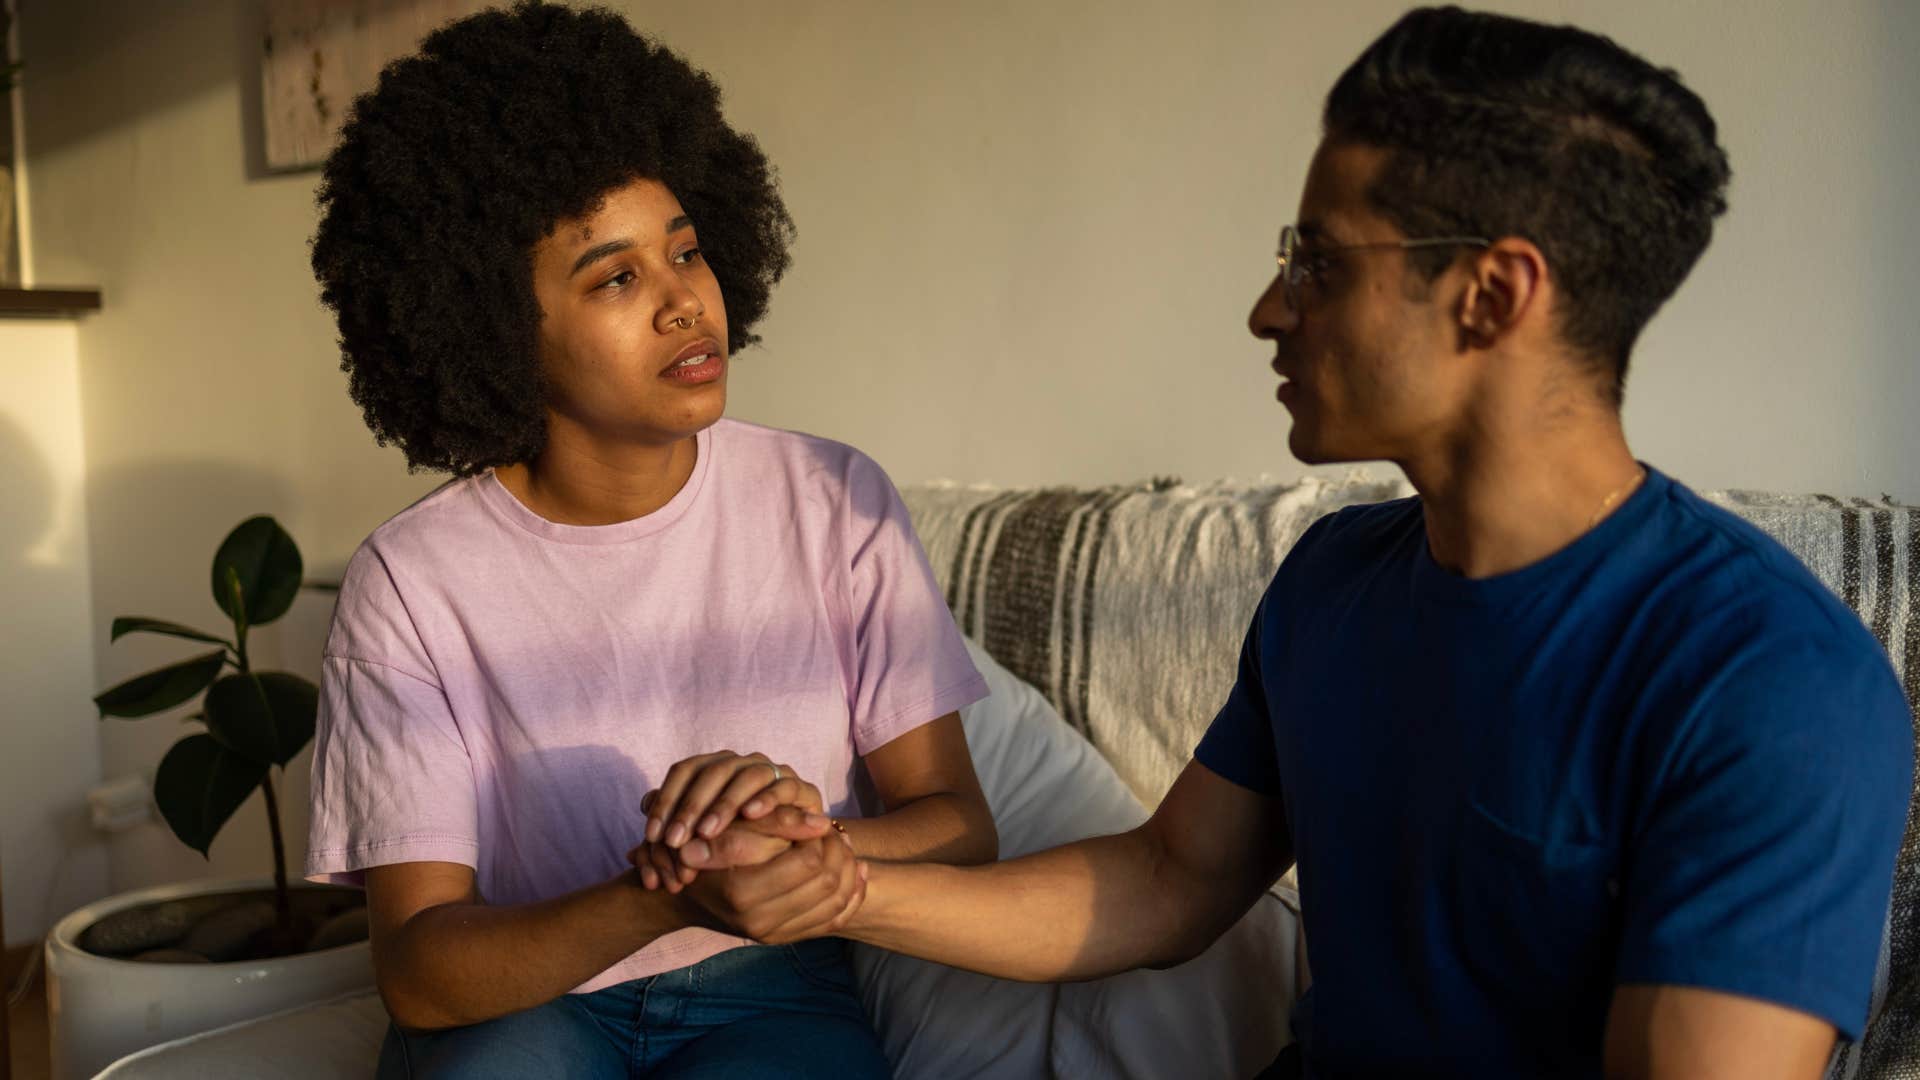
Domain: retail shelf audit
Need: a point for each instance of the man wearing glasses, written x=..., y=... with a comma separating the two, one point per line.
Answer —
x=1581, y=773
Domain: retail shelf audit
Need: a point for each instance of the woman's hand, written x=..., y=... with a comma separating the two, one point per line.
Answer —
x=702, y=795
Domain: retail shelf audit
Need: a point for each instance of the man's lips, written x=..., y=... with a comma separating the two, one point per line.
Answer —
x=1286, y=380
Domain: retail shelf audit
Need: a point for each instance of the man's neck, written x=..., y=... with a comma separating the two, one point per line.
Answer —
x=576, y=481
x=1506, y=494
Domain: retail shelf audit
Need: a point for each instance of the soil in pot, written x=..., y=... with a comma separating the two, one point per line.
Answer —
x=230, y=927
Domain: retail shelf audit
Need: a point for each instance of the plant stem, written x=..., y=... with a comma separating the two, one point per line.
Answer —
x=282, y=902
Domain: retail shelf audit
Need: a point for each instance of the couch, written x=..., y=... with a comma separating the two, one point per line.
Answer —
x=1108, y=621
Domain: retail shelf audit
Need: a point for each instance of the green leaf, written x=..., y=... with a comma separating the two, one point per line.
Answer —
x=237, y=602
x=267, y=716
x=132, y=624
x=144, y=695
x=296, y=709
x=267, y=563
x=199, y=786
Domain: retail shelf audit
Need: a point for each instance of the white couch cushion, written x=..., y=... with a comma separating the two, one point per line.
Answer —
x=339, y=1038
x=1224, y=1013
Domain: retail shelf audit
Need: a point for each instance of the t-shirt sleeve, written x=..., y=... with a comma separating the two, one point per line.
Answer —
x=909, y=665
x=1765, y=861
x=1238, y=745
x=392, y=782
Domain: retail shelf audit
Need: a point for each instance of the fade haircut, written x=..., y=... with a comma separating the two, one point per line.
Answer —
x=1496, y=126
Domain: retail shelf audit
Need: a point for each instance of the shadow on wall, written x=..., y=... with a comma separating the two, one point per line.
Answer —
x=160, y=569
x=110, y=62
x=48, y=753
x=29, y=514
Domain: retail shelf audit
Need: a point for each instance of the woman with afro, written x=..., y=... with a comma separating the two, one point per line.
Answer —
x=592, y=712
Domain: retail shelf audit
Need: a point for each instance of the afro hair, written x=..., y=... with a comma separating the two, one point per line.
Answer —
x=460, y=161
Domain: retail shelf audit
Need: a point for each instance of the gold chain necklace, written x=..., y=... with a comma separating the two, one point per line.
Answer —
x=1639, y=474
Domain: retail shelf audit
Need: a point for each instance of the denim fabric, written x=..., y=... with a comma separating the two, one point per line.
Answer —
x=773, y=1011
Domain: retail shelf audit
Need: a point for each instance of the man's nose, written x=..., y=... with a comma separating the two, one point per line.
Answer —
x=1272, y=313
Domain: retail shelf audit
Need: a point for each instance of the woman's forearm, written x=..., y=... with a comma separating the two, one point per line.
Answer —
x=945, y=827
x=461, y=963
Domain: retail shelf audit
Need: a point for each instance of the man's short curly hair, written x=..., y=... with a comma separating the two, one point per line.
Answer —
x=1496, y=126
x=461, y=160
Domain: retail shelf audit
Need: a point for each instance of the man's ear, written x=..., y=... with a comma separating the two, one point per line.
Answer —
x=1507, y=289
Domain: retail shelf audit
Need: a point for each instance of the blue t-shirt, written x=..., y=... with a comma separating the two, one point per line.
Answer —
x=1663, y=754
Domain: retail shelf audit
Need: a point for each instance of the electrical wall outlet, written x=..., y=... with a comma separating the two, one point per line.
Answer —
x=122, y=804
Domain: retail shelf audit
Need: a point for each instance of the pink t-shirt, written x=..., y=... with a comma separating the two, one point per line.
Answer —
x=500, y=690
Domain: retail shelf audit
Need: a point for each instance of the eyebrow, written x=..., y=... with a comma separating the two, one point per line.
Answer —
x=600, y=251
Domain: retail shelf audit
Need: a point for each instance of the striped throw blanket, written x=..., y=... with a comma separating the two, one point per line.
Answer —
x=1126, y=605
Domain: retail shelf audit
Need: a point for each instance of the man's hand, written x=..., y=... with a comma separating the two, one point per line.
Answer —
x=702, y=795
x=808, y=891
x=744, y=843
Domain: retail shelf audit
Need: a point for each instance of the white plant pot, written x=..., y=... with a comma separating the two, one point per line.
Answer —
x=101, y=1009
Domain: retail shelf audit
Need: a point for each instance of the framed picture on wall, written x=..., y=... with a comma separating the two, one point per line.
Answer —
x=318, y=55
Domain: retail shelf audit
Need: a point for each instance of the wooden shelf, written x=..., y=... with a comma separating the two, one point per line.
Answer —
x=56, y=301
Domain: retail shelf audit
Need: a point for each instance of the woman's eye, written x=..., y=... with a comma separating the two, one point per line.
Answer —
x=618, y=280
x=687, y=256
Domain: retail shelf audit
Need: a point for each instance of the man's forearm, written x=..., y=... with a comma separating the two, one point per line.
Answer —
x=943, y=828
x=1082, y=911
x=458, y=964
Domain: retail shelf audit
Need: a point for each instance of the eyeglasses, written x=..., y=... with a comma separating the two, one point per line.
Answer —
x=1296, y=268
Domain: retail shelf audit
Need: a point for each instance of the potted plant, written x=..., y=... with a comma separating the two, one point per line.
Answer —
x=151, y=965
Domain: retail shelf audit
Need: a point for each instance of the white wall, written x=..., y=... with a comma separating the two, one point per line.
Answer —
x=1029, y=235
x=210, y=380
x=49, y=736
x=1030, y=232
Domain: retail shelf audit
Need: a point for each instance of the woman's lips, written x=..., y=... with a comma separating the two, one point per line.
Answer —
x=699, y=362
x=701, y=371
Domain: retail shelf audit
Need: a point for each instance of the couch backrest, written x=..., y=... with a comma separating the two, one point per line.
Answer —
x=1126, y=606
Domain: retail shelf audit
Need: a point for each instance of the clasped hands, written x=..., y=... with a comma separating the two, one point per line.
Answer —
x=749, y=849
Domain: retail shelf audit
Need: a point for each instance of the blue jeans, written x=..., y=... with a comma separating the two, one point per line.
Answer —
x=771, y=1011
